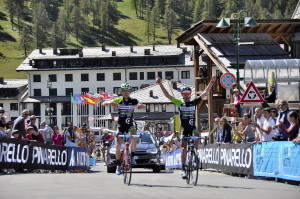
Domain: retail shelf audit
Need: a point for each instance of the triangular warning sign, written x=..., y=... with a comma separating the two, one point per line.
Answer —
x=251, y=94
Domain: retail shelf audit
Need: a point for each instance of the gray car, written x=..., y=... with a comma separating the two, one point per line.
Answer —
x=147, y=154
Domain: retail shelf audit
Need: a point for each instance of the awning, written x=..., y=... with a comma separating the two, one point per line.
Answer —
x=284, y=70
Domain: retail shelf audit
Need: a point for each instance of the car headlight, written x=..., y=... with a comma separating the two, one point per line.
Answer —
x=152, y=151
x=112, y=150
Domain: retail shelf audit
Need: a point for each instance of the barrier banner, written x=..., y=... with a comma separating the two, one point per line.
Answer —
x=277, y=159
x=173, y=159
x=78, y=158
x=19, y=154
x=235, y=158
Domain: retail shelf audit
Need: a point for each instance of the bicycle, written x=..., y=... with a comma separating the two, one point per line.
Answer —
x=192, y=161
x=126, y=163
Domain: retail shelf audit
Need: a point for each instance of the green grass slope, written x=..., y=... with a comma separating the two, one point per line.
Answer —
x=129, y=31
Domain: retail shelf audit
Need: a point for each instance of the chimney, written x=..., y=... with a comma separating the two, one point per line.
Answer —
x=113, y=53
x=151, y=93
x=178, y=45
x=54, y=51
x=146, y=51
x=1, y=80
x=131, y=48
x=30, y=62
x=174, y=85
x=80, y=54
x=103, y=47
x=153, y=47
x=41, y=51
x=184, y=49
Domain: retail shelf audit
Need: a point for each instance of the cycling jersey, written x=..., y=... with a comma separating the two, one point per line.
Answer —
x=125, y=110
x=187, y=112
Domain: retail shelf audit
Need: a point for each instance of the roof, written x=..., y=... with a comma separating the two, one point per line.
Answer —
x=13, y=89
x=296, y=14
x=185, y=58
x=14, y=83
x=143, y=95
x=277, y=29
x=258, y=46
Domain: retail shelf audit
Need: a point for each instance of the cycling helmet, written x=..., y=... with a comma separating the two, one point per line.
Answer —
x=126, y=87
x=186, y=89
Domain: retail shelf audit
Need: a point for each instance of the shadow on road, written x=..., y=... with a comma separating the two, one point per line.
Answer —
x=223, y=187
x=153, y=185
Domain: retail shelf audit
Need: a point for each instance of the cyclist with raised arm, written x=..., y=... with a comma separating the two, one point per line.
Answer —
x=126, y=106
x=187, y=110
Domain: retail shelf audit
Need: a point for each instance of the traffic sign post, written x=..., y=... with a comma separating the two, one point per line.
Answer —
x=227, y=80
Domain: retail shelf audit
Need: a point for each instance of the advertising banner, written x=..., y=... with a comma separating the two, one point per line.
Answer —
x=235, y=158
x=277, y=159
x=19, y=154
x=173, y=159
x=78, y=158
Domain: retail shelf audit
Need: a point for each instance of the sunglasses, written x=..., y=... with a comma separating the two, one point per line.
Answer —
x=186, y=94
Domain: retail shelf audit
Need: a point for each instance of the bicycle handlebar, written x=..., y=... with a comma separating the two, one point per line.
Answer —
x=193, y=138
x=128, y=136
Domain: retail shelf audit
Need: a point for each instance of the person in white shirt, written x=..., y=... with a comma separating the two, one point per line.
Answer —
x=258, y=122
x=266, y=131
x=46, y=131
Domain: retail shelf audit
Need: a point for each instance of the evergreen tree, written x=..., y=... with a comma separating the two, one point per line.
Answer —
x=198, y=10
x=55, y=36
x=26, y=39
x=170, y=20
x=155, y=19
x=63, y=25
x=148, y=24
x=11, y=7
x=77, y=22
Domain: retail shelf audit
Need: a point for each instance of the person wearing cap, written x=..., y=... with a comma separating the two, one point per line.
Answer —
x=15, y=134
x=247, y=134
x=236, y=102
x=106, y=141
x=19, y=123
x=187, y=109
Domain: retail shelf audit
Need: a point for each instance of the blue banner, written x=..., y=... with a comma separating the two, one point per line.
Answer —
x=173, y=159
x=78, y=158
x=277, y=159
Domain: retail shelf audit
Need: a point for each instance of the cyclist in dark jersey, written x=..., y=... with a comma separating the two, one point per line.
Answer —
x=126, y=106
x=187, y=110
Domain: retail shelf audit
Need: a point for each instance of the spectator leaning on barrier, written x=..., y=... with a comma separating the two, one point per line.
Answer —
x=237, y=138
x=46, y=131
x=226, y=130
x=19, y=123
x=247, y=134
x=70, y=136
x=15, y=134
x=283, y=117
x=31, y=123
x=8, y=130
x=259, y=120
x=292, y=131
x=266, y=131
x=57, y=138
x=29, y=131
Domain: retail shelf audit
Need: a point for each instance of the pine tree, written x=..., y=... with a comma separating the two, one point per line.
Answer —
x=170, y=20
x=148, y=23
x=198, y=10
x=63, y=25
x=25, y=39
x=11, y=7
x=155, y=19
x=77, y=22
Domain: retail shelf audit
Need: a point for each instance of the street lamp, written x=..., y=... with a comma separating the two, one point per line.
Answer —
x=50, y=109
x=236, y=18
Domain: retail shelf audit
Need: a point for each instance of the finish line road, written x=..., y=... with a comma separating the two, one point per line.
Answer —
x=145, y=184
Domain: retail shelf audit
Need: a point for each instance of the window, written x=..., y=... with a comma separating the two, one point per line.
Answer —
x=150, y=75
x=100, y=76
x=134, y=88
x=14, y=106
x=53, y=92
x=68, y=77
x=69, y=91
x=84, y=77
x=84, y=90
x=36, y=108
x=185, y=74
x=159, y=74
x=132, y=76
x=163, y=108
x=147, y=107
x=52, y=78
x=117, y=76
x=117, y=90
x=169, y=75
x=142, y=76
x=156, y=107
x=36, y=78
x=37, y=92
x=100, y=89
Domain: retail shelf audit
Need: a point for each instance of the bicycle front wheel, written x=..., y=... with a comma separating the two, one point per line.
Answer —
x=188, y=168
x=194, y=168
x=127, y=168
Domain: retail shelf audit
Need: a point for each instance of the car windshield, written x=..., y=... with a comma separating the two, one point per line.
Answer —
x=146, y=139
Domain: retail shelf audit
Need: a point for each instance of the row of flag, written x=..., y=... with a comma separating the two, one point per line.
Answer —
x=92, y=99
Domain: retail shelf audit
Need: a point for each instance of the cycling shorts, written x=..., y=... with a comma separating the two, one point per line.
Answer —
x=186, y=132
x=122, y=130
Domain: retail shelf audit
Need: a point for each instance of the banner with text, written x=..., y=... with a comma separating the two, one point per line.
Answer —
x=173, y=159
x=277, y=159
x=78, y=158
x=19, y=154
x=235, y=158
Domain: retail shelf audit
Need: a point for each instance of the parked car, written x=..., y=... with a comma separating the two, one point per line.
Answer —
x=147, y=154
